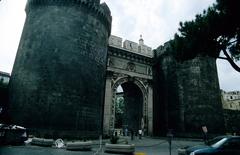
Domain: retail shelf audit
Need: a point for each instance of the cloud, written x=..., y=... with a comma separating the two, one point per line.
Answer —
x=156, y=20
x=12, y=17
x=229, y=79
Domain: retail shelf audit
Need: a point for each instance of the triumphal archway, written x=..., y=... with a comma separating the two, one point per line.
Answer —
x=129, y=66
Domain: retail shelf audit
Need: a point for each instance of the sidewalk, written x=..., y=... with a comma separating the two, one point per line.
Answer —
x=156, y=146
x=146, y=145
x=145, y=141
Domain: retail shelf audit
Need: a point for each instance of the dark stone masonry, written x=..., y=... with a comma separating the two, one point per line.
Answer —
x=186, y=94
x=57, y=83
x=232, y=119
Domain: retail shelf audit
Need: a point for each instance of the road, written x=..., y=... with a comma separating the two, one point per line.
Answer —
x=148, y=146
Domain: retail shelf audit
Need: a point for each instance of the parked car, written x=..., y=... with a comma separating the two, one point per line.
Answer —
x=188, y=149
x=226, y=146
x=12, y=134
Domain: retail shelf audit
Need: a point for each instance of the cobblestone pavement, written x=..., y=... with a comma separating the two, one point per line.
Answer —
x=149, y=146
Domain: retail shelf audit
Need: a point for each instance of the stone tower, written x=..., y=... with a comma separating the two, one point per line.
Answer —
x=186, y=94
x=57, y=84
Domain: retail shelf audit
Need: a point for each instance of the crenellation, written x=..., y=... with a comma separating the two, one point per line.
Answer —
x=94, y=7
x=115, y=41
x=106, y=10
x=131, y=46
x=162, y=50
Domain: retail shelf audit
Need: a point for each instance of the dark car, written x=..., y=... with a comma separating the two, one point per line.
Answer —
x=226, y=146
x=188, y=149
x=12, y=134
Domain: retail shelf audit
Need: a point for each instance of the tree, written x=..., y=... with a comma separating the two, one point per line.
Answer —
x=216, y=29
x=119, y=105
x=119, y=112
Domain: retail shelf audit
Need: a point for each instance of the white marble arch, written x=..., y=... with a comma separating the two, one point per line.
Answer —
x=112, y=84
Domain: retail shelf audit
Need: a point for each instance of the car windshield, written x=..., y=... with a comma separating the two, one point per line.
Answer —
x=219, y=143
x=215, y=140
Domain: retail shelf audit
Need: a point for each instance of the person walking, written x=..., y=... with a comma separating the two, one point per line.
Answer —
x=205, y=136
x=140, y=133
x=132, y=134
x=126, y=132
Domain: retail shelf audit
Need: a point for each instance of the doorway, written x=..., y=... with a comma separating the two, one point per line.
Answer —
x=128, y=107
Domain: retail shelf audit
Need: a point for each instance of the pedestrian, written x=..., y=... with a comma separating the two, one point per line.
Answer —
x=132, y=134
x=140, y=134
x=205, y=136
x=126, y=132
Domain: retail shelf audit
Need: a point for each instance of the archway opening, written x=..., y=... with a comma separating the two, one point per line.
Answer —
x=128, y=107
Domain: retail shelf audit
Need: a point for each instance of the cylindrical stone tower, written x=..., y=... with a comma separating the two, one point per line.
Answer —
x=186, y=94
x=57, y=83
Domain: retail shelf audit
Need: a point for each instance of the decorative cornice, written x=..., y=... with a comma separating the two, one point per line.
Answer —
x=129, y=55
x=93, y=6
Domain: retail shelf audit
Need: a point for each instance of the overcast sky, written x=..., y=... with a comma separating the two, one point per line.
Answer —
x=156, y=20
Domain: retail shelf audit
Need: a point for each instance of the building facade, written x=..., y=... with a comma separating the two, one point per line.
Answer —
x=181, y=96
x=231, y=100
x=231, y=107
x=129, y=66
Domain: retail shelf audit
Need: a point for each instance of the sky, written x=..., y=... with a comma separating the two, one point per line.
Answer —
x=156, y=20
